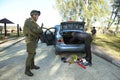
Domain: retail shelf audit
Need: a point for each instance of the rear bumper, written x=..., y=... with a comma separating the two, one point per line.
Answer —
x=70, y=48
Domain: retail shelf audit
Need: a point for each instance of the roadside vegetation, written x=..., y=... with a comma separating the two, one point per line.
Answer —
x=104, y=12
x=110, y=44
x=107, y=13
x=10, y=35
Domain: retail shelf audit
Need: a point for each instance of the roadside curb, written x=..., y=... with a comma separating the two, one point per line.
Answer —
x=1, y=42
x=15, y=41
x=99, y=52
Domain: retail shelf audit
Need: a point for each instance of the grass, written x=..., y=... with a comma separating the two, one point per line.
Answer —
x=11, y=35
x=111, y=44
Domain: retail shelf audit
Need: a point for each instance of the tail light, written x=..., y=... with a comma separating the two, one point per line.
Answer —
x=60, y=40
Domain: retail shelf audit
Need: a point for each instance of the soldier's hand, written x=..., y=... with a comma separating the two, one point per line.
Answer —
x=40, y=36
x=42, y=25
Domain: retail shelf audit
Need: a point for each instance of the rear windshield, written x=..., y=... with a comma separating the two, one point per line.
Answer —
x=72, y=26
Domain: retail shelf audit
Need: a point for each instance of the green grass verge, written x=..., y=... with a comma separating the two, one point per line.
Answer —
x=11, y=35
x=109, y=42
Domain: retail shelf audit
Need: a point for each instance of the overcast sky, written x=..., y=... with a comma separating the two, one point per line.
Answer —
x=18, y=10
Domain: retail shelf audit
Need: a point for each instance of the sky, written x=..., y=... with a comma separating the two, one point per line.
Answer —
x=18, y=10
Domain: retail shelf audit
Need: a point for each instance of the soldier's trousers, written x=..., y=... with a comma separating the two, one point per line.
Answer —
x=30, y=59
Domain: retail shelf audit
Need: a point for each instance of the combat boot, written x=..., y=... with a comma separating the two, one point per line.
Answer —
x=28, y=72
x=33, y=66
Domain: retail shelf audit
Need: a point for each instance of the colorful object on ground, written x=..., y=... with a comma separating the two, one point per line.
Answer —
x=74, y=59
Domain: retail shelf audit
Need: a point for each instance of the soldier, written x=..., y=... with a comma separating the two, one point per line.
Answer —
x=93, y=31
x=32, y=33
x=87, y=39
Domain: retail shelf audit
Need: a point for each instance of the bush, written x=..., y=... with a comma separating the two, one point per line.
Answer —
x=1, y=37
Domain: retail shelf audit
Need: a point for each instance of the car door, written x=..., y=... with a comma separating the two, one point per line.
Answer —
x=48, y=36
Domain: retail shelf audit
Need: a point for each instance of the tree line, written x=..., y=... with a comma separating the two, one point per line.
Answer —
x=106, y=12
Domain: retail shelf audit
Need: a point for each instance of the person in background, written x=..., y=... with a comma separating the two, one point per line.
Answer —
x=93, y=31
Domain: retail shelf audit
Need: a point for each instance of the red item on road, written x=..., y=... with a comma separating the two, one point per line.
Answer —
x=81, y=65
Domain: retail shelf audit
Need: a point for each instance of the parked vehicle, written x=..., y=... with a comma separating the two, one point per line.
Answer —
x=62, y=35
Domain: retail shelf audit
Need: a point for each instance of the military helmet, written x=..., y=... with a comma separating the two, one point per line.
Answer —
x=36, y=12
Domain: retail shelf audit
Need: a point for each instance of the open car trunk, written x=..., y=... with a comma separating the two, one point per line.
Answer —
x=67, y=28
x=67, y=36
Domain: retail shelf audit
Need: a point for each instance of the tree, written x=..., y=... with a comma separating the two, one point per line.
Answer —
x=86, y=10
x=115, y=16
x=66, y=8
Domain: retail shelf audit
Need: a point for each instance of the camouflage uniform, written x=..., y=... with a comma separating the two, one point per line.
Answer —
x=32, y=33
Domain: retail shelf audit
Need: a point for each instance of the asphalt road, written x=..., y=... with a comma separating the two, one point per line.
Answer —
x=12, y=65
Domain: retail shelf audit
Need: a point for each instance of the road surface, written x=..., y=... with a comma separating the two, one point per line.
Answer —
x=12, y=66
